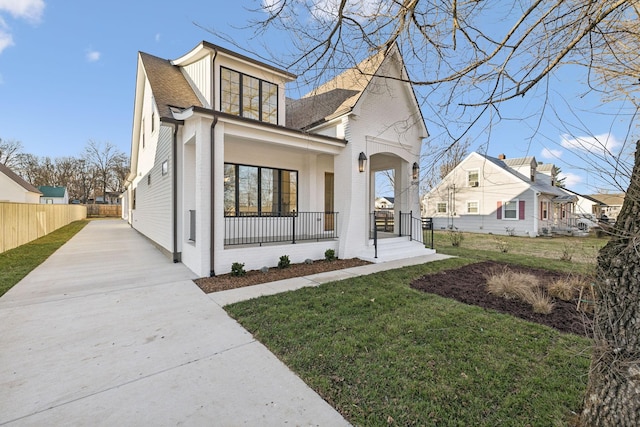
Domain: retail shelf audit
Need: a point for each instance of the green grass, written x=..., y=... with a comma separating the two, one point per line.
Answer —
x=382, y=353
x=540, y=252
x=18, y=262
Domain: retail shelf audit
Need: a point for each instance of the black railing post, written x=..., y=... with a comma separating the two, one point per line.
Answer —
x=293, y=227
x=375, y=236
x=410, y=226
x=400, y=224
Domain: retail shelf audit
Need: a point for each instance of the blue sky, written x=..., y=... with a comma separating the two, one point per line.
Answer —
x=67, y=76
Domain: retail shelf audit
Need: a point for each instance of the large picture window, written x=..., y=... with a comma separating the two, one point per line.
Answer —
x=247, y=96
x=259, y=191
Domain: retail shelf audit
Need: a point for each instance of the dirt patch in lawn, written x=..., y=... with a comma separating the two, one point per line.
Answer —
x=468, y=285
x=254, y=277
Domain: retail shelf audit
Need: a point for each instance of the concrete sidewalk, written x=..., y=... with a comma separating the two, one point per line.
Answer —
x=108, y=331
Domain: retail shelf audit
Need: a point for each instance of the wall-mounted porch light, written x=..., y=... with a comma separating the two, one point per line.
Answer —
x=362, y=158
x=415, y=171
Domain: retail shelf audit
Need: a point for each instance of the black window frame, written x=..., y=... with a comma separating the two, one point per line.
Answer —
x=277, y=197
x=261, y=93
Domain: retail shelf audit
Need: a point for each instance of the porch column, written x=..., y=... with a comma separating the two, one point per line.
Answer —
x=218, y=196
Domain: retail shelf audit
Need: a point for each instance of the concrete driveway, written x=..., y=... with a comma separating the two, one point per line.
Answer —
x=109, y=332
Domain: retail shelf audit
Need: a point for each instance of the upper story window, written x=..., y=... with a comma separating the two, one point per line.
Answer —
x=472, y=177
x=441, y=207
x=247, y=96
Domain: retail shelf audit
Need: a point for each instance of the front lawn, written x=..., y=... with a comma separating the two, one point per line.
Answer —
x=384, y=354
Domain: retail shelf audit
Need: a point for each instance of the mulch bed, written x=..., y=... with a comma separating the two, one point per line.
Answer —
x=468, y=285
x=224, y=282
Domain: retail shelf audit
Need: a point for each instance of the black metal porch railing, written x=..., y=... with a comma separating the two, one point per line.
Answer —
x=419, y=229
x=291, y=227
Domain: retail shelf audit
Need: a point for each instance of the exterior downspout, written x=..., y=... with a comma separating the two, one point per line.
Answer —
x=174, y=204
x=212, y=186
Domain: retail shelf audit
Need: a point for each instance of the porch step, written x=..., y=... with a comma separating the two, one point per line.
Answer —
x=393, y=249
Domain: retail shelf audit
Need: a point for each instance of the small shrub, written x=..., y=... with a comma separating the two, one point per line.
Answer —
x=455, y=237
x=237, y=269
x=565, y=289
x=540, y=301
x=502, y=246
x=284, y=262
x=567, y=252
x=510, y=284
x=511, y=231
x=330, y=255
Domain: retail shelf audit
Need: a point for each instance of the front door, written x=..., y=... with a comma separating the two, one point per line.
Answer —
x=328, y=202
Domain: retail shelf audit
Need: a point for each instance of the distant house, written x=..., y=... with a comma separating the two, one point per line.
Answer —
x=15, y=189
x=384, y=202
x=587, y=205
x=53, y=195
x=611, y=204
x=485, y=194
x=226, y=168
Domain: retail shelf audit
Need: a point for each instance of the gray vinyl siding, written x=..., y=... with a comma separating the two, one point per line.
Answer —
x=153, y=213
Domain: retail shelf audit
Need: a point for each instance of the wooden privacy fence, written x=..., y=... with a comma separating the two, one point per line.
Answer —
x=99, y=210
x=21, y=223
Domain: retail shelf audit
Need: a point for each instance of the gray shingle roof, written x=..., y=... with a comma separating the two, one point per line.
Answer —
x=307, y=112
x=15, y=177
x=333, y=98
x=169, y=86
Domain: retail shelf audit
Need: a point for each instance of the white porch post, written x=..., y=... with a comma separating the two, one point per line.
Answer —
x=218, y=195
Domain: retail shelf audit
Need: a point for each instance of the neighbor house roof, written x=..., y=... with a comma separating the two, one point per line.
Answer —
x=519, y=161
x=15, y=177
x=170, y=87
x=537, y=186
x=49, y=191
x=585, y=196
x=609, y=199
x=335, y=97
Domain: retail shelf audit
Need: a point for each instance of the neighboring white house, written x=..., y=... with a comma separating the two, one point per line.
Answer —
x=384, y=202
x=15, y=189
x=225, y=168
x=587, y=205
x=485, y=194
x=611, y=204
x=54, y=195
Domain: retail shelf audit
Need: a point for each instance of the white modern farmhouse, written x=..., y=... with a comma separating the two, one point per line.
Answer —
x=225, y=168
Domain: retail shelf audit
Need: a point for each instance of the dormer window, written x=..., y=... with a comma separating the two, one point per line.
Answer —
x=246, y=96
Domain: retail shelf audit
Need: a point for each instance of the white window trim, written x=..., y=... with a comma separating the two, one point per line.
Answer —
x=504, y=210
x=469, y=182
x=546, y=204
x=446, y=207
x=477, y=203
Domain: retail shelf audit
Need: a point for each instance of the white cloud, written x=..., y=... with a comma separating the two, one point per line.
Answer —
x=92, y=55
x=6, y=39
x=605, y=143
x=551, y=154
x=157, y=37
x=31, y=10
x=570, y=179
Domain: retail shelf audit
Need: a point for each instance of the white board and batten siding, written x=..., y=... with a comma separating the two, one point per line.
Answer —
x=152, y=214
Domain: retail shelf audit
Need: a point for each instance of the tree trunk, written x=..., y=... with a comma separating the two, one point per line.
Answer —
x=613, y=391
